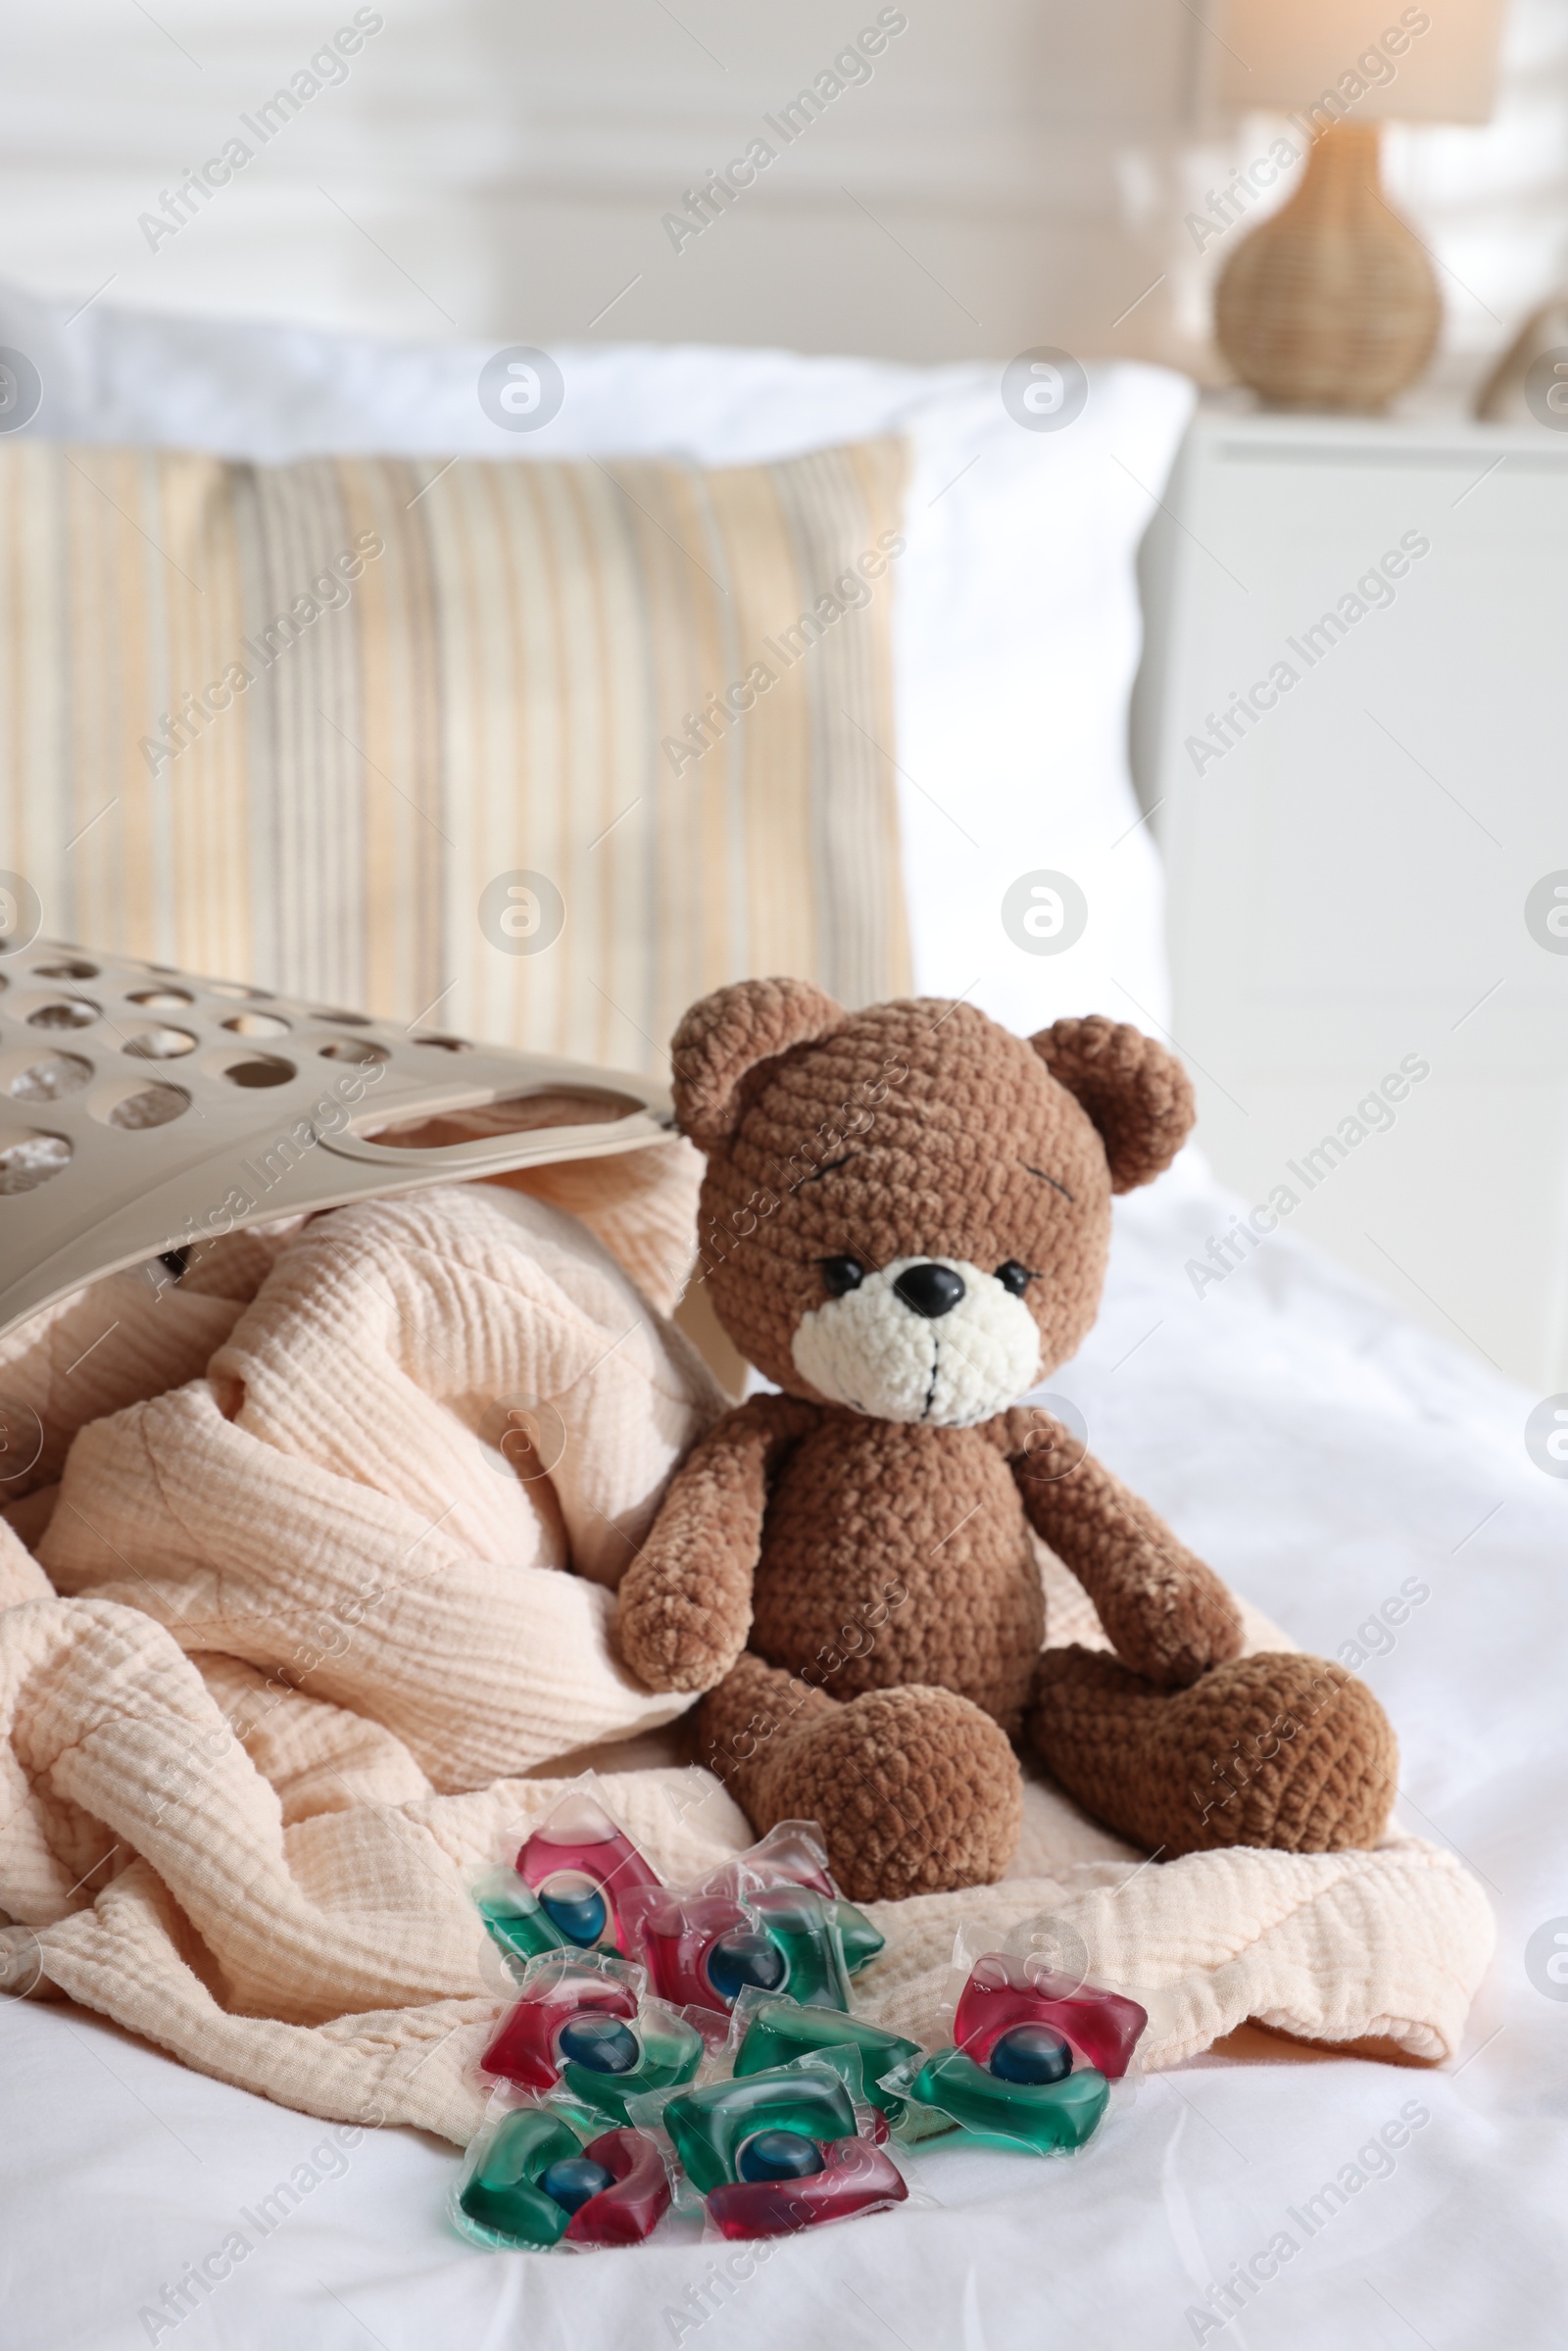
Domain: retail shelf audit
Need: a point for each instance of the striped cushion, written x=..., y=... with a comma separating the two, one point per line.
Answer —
x=537, y=753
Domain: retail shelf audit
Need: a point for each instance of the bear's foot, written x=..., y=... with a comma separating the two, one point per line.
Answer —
x=1276, y=1750
x=917, y=1790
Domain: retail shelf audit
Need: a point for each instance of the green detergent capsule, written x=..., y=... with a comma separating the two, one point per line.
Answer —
x=861, y=1940
x=1048, y=2115
x=781, y=2029
x=711, y=2127
x=503, y=2197
x=807, y=1931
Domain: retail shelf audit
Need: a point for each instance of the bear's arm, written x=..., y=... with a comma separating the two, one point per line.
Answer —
x=686, y=1599
x=1166, y=1614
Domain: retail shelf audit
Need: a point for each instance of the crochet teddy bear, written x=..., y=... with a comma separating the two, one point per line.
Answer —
x=905, y=1218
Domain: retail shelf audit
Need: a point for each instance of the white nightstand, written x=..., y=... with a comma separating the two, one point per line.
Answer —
x=1350, y=869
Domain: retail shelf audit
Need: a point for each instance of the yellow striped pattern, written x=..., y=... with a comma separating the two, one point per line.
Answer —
x=284, y=724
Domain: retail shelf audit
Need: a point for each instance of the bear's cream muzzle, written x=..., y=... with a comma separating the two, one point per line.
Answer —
x=946, y=1364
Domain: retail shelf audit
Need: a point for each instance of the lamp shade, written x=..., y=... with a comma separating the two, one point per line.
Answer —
x=1418, y=64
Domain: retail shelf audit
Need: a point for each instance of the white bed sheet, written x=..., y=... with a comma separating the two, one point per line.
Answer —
x=1319, y=1451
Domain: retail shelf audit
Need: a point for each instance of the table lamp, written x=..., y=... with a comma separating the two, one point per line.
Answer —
x=1332, y=302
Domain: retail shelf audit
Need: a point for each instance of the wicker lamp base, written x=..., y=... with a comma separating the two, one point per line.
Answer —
x=1332, y=303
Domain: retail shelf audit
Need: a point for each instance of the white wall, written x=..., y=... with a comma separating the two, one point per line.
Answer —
x=1017, y=170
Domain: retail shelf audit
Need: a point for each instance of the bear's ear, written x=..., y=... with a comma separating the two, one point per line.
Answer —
x=727, y=1035
x=1138, y=1095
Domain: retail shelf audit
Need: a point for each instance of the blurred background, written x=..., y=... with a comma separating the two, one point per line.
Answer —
x=1008, y=166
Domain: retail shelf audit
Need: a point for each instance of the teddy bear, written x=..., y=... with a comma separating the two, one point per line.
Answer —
x=904, y=1225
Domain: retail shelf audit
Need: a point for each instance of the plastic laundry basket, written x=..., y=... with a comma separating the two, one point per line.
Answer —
x=143, y=1110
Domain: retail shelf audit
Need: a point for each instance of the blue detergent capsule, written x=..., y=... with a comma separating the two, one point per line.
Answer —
x=576, y=1906
x=573, y=2179
x=1030, y=2053
x=744, y=1958
x=778, y=2155
x=602, y=2043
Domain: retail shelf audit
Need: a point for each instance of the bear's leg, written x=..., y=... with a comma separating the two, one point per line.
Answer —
x=916, y=1789
x=1275, y=1749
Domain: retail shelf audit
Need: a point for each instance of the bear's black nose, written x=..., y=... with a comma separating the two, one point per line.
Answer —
x=930, y=1290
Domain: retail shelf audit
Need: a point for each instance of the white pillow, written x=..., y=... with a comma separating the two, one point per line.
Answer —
x=1018, y=626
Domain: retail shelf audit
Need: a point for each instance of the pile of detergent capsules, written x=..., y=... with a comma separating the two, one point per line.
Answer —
x=696, y=2047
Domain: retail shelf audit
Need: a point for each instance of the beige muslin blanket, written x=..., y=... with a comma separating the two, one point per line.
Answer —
x=291, y=1645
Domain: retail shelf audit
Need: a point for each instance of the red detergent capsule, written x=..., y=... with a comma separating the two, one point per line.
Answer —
x=1003, y=1992
x=525, y=2049
x=633, y=2206
x=582, y=1868
x=678, y=1932
x=851, y=2176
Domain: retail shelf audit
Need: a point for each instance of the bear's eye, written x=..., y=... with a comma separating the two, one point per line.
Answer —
x=1014, y=1277
x=841, y=1274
